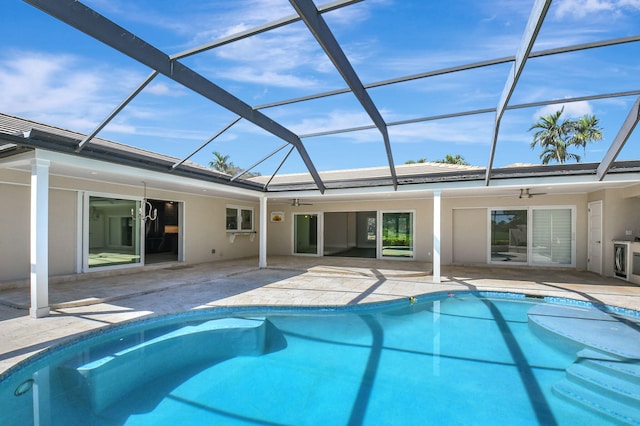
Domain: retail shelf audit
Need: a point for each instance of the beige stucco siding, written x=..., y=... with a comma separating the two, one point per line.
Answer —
x=204, y=231
x=280, y=234
x=63, y=231
x=478, y=232
x=620, y=212
x=14, y=227
x=469, y=231
x=464, y=224
x=203, y=219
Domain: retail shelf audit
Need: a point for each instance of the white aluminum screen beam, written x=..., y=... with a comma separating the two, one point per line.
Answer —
x=97, y=26
x=320, y=30
x=621, y=138
x=536, y=18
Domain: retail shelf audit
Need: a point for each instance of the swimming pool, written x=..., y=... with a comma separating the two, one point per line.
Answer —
x=455, y=358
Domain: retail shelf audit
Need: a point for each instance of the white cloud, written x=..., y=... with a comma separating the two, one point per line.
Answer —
x=470, y=130
x=74, y=93
x=278, y=53
x=571, y=109
x=579, y=9
x=334, y=120
x=464, y=130
x=267, y=77
x=164, y=89
x=41, y=85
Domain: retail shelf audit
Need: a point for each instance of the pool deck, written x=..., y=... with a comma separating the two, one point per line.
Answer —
x=86, y=302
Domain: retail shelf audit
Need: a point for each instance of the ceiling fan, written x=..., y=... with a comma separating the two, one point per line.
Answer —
x=296, y=203
x=525, y=193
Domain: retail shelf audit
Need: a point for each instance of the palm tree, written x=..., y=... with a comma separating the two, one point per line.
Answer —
x=586, y=130
x=220, y=164
x=556, y=136
x=422, y=160
x=450, y=159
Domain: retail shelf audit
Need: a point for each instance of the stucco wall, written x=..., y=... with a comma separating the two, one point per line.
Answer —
x=477, y=233
x=63, y=231
x=14, y=227
x=469, y=230
x=280, y=237
x=203, y=219
x=463, y=223
x=204, y=231
x=620, y=212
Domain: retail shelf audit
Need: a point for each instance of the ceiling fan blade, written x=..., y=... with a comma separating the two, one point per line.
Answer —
x=526, y=193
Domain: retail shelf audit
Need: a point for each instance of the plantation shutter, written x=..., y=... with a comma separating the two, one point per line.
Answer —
x=551, y=236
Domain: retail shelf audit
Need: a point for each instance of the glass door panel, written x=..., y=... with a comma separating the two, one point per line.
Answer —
x=114, y=232
x=162, y=236
x=305, y=234
x=509, y=236
x=551, y=235
x=397, y=234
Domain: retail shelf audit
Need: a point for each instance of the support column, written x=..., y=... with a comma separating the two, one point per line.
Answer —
x=262, y=258
x=39, y=238
x=436, y=237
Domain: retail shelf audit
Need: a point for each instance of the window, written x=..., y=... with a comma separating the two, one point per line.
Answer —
x=246, y=224
x=239, y=219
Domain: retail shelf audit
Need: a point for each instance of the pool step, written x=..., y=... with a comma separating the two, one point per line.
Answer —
x=605, y=378
x=629, y=370
x=593, y=354
x=109, y=378
x=607, y=407
x=587, y=327
x=605, y=383
x=609, y=386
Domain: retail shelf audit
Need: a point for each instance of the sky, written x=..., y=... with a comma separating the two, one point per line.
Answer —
x=55, y=74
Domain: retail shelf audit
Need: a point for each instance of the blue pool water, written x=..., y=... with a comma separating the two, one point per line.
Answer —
x=447, y=359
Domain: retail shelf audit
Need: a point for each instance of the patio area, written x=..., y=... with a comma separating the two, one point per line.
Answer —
x=83, y=303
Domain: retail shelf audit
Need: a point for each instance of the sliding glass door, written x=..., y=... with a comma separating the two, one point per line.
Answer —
x=533, y=236
x=552, y=236
x=305, y=234
x=113, y=232
x=509, y=236
x=397, y=235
